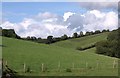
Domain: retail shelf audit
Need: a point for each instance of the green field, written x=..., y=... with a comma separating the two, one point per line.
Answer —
x=58, y=57
x=82, y=42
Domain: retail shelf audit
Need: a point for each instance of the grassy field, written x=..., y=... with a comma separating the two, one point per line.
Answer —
x=82, y=42
x=58, y=57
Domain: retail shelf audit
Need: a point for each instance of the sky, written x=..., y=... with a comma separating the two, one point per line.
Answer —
x=19, y=10
x=42, y=19
x=60, y=0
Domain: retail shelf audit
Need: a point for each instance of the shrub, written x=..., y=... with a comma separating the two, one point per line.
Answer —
x=68, y=70
x=86, y=47
x=111, y=46
x=28, y=70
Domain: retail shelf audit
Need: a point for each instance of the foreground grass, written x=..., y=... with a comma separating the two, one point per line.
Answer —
x=86, y=63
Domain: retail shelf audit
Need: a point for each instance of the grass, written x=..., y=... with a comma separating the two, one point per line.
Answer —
x=0, y=47
x=18, y=52
x=82, y=42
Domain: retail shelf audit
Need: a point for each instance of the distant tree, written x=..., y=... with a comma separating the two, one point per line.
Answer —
x=91, y=33
x=105, y=30
x=87, y=33
x=75, y=35
x=39, y=38
x=64, y=37
x=28, y=38
x=114, y=35
x=33, y=38
x=49, y=39
x=81, y=34
x=97, y=32
x=108, y=30
x=9, y=33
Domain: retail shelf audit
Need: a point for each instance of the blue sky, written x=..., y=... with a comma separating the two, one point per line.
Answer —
x=42, y=19
x=16, y=11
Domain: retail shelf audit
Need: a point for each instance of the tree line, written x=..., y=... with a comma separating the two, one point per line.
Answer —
x=50, y=39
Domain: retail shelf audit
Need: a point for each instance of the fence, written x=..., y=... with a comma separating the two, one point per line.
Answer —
x=59, y=68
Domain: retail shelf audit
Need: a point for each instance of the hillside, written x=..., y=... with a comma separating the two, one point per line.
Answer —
x=83, y=41
x=17, y=52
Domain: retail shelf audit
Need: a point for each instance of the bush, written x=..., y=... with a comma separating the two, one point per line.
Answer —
x=86, y=47
x=68, y=70
x=111, y=46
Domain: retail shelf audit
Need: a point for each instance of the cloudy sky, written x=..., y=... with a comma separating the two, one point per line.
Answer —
x=42, y=19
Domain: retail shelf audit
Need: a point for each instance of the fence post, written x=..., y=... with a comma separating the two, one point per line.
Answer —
x=6, y=63
x=97, y=64
x=86, y=65
x=114, y=64
x=42, y=67
x=73, y=66
x=59, y=66
x=24, y=67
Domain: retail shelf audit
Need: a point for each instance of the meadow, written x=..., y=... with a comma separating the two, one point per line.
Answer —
x=58, y=59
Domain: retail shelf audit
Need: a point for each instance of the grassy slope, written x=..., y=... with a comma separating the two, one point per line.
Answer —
x=16, y=52
x=82, y=42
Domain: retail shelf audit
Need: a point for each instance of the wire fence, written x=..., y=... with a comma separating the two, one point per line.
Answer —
x=73, y=67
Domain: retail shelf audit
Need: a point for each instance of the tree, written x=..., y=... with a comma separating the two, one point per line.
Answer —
x=97, y=32
x=114, y=35
x=105, y=30
x=75, y=35
x=28, y=38
x=110, y=47
x=49, y=39
x=39, y=38
x=101, y=47
x=0, y=31
x=81, y=34
x=64, y=37
x=9, y=33
x=87, y=33
x=33, y=38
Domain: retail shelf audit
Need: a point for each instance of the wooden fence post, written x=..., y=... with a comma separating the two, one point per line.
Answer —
x=73, y=66
x=24, y=67
x=6, y=63
x=97, y=64
x=59, y=66
x=86, y=65
x=42, y=67
x=114, y=64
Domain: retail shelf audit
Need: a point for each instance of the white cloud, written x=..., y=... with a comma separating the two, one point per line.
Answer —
x=111, y=21
x=45, y=24
x=67, y=15
x=97, y=13
x=41, y=25
x=93, y=20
